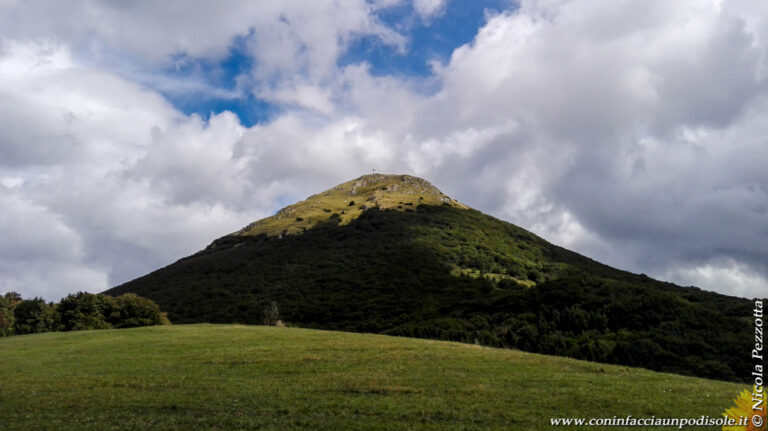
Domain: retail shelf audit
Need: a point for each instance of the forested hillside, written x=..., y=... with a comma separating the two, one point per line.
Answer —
x=439, y=271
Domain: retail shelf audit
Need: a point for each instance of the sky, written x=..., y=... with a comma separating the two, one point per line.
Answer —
x=134, y=133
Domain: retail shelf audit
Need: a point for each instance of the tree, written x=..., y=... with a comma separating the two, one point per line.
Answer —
x=33, y=316
x=271, y=313
x=78, y=311
x=82, y=310
x=8, y=303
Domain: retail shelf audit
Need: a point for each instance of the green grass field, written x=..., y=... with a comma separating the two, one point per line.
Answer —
x=231, y=377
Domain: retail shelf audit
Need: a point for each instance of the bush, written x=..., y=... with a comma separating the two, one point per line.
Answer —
x=133, y=311
x=88, y=311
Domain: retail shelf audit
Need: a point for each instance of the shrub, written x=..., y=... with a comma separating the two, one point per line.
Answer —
x=133, y=311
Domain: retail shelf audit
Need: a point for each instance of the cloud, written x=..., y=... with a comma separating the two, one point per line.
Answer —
x=725, y=274
x=197, y=28
x=142, y=40
x=427, y=9
x=97, y=165
x=41, y=255
x=632, y=133
x=103, y=180
x=628, y=133
x=303, y=96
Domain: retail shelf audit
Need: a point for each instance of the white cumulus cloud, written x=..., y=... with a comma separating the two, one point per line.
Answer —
x=632, y=132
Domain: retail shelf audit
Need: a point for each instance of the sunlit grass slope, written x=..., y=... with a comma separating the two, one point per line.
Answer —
x=231, y=377
x=348, y=200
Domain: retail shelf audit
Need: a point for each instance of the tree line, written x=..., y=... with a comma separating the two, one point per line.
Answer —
x=76, y=312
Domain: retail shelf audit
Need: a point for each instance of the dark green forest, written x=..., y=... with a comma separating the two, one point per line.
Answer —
x=453, y=274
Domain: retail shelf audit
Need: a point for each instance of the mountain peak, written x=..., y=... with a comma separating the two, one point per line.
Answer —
x=348, y=200
x=425, y=267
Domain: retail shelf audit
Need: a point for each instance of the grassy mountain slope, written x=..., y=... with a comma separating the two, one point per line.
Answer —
x=447, y=272
x=348, y=200
x=254, y=377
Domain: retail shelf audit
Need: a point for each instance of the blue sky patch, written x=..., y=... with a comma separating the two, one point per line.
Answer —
x=432, y=41
x=219, y=89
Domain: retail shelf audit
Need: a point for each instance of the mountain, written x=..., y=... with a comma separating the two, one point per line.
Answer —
x=392, y=254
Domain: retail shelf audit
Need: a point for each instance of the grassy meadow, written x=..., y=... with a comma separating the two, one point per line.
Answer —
x=231, y=377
